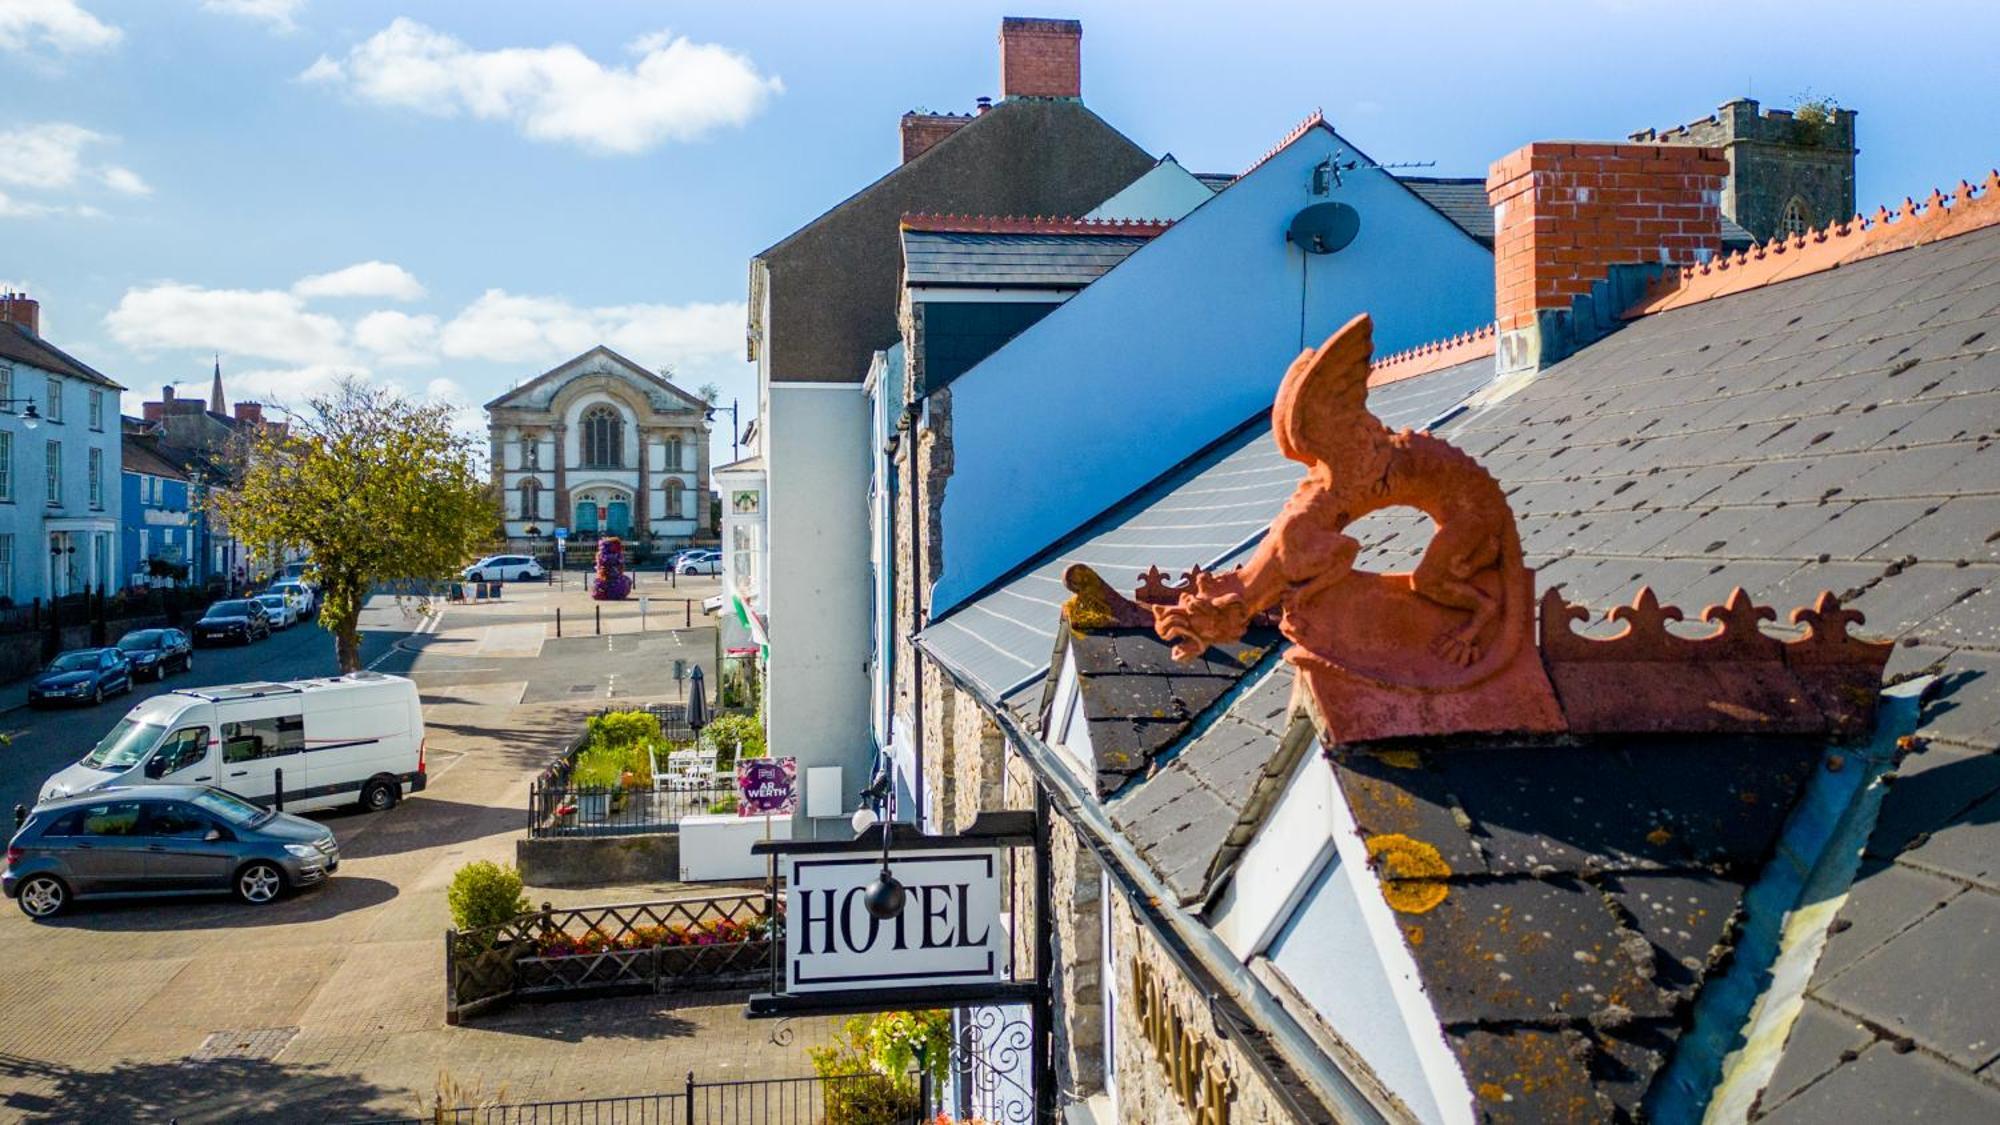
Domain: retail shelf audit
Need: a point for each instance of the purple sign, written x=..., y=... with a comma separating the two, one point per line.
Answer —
x=767, y=786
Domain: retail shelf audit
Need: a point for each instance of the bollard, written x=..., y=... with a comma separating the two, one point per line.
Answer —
x=598, y=612
x=642, y=615
x=558, y=623
x=278, y=789
x=687, y=613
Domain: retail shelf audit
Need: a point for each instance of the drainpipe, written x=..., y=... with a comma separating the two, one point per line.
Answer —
x=918, y=793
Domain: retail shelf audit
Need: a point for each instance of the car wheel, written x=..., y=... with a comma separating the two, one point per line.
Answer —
x=43, y=896
x=378, y=796
x=476, y=576
x=187, y=662
x=97, y=693
x=259, y=883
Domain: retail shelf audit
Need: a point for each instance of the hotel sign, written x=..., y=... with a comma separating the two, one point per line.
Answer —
x=951, y=930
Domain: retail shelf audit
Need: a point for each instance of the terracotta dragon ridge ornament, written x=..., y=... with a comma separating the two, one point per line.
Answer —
x=1448, y=646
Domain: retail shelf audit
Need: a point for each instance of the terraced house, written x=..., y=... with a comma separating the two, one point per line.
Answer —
x=1581, y=798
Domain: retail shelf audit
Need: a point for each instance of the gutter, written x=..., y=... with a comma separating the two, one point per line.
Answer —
x=1282, y=1053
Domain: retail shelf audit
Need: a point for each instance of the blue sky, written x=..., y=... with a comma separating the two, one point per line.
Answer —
x=455, y=196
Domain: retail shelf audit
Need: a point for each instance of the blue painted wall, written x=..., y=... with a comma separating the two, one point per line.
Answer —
x=157, y=517
x=1181, y=341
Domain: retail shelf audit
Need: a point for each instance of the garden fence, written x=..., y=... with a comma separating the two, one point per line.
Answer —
x=757, y=1101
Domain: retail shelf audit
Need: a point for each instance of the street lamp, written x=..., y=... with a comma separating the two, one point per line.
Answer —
x=884, y=898
x=30, y=418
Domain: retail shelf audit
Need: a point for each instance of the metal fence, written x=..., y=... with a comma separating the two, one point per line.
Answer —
x=562, y=809
x=855, y=1099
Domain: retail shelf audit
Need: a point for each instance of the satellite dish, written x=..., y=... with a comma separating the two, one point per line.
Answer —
x=1324, y=227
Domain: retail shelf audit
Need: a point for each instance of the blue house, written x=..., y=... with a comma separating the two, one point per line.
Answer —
x=163, y=528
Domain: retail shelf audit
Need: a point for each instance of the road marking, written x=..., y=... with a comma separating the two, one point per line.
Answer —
x=425, y=628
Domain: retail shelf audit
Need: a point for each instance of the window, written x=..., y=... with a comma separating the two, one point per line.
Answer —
x=603, y=438
x=1796, y=219
x=96, y=477
x=271, y=737
x=676, y=493
x=7, y=565
x=54, y=411
x=177, y=821
x=181, y=749
x=112, y=818
x=54, y=455
x=531, y=499
x=674, y=455
x=6, y=465
x=7, y=386
x=531, y=452
x=96, y=409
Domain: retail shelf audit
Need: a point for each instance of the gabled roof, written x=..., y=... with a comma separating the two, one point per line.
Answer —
x=141, y=454
x=562, y=369
x=22, y=346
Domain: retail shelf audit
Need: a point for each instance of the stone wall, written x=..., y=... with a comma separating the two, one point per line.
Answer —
x=589, y=861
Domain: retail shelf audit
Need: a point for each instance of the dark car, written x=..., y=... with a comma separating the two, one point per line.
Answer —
x=86, y=675
x=238, y=620
x=161, y=840
x=156, y=652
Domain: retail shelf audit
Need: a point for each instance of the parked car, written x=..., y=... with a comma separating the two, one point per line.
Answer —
x=700, y=562
x=283, y=613
x=240, y=620
x=86, y=675
x=505, y=568
x=156, y=652
x=366, y=731
x=304, y=597
x=162, y=840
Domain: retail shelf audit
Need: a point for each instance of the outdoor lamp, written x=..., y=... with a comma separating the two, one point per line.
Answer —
x=885, y=896
x=30, y=418
x=864, y=819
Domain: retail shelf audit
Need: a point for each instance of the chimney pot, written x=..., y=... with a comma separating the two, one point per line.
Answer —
x=1041, y=58
x=1565, y=214
x=985, y=103
x=21, y=309
x=167, y=393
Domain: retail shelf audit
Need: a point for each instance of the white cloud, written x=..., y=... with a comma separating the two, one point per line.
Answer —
x=125, y=181
x=363, y=279
x=277, y=13
x=509, y=328
x=267, y=324
x=11, y=208
x=676, y=90
x=398, y=338
x=57, y=24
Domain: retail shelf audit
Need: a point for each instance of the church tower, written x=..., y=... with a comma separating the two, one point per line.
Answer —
x=1789, y=170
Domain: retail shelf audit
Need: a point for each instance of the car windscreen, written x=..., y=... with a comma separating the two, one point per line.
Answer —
x=273, y=600
x=228, y=806
x=125, y=746
x=140, y=641
x=229, y=609
x=74, y=662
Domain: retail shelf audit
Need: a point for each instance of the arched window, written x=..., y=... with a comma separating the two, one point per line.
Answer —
x=676, y=493
x=1796, y=219
x=603, y=438
x=674, y=464
x=531, y=451
x=531, y=499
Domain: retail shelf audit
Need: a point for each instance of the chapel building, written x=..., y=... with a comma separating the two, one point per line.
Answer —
x=598, y=446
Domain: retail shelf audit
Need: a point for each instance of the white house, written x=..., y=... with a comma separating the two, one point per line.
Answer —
x=601, y=446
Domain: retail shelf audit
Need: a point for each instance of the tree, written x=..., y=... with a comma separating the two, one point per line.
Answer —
x=372, y=486
x=710, y=393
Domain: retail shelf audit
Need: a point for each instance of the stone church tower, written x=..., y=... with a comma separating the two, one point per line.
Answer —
x=1786, y=172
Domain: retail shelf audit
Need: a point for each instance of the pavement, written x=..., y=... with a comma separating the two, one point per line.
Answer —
x=329, y=1005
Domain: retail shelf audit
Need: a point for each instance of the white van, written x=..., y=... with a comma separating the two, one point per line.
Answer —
x=324, y=743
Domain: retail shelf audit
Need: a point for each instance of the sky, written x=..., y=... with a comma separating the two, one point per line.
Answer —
x=453, y=197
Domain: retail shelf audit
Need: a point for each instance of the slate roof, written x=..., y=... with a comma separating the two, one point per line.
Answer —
x=22, y=346
x=141, y=454
x=1200, y=514
x=1040, y=261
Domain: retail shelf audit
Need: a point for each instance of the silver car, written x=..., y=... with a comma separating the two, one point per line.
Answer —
x=161, y=840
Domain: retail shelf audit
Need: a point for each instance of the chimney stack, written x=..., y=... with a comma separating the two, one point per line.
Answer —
x=1578, y=229
x=250, y=413
x=1041, y=58
x=922, y=130
x=21, y=309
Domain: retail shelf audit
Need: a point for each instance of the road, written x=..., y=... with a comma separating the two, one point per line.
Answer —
x=46, y=741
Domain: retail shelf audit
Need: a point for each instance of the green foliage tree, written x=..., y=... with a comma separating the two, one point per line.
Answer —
x=874, y=1063
x=484, y=893
x=374, y=487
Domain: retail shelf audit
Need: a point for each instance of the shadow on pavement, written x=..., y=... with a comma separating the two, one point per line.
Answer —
x=228, y=1089
x=339, y=895
x=422, y=822
x=636, y=1018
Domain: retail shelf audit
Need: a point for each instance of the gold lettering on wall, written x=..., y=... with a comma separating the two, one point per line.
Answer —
x=1193, y=1067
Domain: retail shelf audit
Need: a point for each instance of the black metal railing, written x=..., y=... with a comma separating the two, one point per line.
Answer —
x=851, y=1099
x=557, y=808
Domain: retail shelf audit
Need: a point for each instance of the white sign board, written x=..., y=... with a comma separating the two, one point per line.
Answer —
x=951, y=930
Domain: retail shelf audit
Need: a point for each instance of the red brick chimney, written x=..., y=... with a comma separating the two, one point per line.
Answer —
x=922, y=130
x=1041, y=58
x=1566, y=214
x=21, y=309
x=250, y=413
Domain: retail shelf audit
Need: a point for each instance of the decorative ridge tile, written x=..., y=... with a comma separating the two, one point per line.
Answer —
x=1316, y=120
x=1937, y=217
x=1433, y=356
x=1031, y=224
